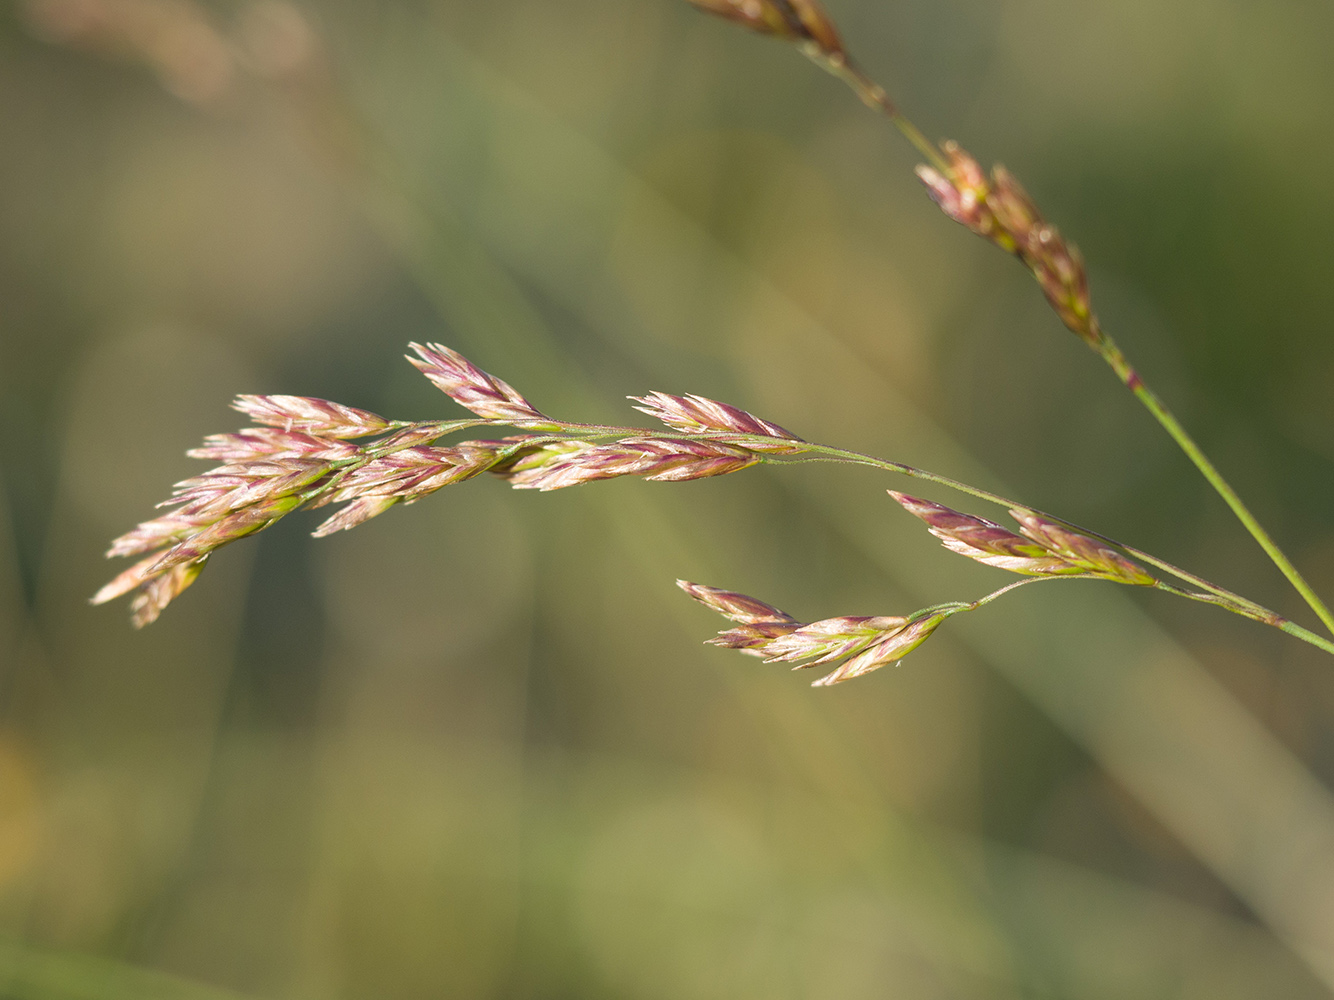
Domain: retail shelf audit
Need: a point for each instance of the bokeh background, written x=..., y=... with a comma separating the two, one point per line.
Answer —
x=474, y=748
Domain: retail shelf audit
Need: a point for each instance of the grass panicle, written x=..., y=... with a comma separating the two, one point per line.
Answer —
x=309, y=453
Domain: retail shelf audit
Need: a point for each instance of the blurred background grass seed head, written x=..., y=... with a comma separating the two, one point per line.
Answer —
x=475, y=748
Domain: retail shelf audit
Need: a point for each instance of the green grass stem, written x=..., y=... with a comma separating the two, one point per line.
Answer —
x=1112, y=354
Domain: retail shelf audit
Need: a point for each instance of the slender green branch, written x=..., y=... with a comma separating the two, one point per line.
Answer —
x=1283, y=624
x=983, y=601
x=1112, y=354
x=819, y=452
x=1255, y=614
x=873, y=96
x=948, y=608
x=826, y=453
x=955, y=607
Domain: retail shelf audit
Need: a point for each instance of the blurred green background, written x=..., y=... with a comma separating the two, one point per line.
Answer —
x=474, y=748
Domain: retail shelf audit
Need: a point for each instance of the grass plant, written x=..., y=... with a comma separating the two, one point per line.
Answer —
x=300, y=455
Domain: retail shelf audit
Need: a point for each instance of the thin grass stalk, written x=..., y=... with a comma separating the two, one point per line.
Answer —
x=1114, y=357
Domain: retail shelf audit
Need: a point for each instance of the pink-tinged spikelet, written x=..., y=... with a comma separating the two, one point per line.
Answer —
x=1090, y=554
x=663, y=460
x=1043, y=549
x=696, y=414
x=403, y=476
x=354, y=513
x=983, y=540
x=470, y=387
x=738, y=607
x=314, y=416
x=830, y=639
x=868, y=642
x=800, y=21
x=961, y=192
x=1002, y=211
x=160, y=591
x=272, y=443
x=240, y=484
x=891, y=649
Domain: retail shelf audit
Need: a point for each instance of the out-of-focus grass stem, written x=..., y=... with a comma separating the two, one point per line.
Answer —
x=873, y=96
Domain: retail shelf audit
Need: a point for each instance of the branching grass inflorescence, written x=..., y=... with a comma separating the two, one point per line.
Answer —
x=303, y=456
x=306, y=453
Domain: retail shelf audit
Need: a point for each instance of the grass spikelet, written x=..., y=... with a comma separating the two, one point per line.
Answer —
x=1044, y=548
x=659, y=459
x=800, y=21
x=984, y=541
x=696, y=414
x=270, y=442
x=868, y=643
x=738, y=607
x=1001, y=211
x=160, y=591
x=1089, y=554
x=470, y=387
x=353, y=514
x=315, y=416
x=889, y=650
